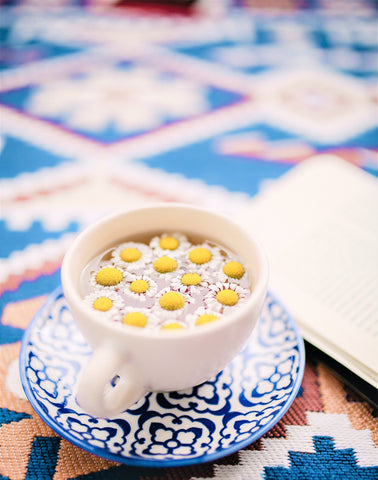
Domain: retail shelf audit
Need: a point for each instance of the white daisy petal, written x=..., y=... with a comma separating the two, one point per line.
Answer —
x=132, y=256
x=106, y=303
x=172, y=244
x=226, y=303
x=191, y=282
x=229, y=271
x=204, y=257
x=152, y=320
x=107, y=276
x=140, y=287
x=199, y=314
x=171, y=304
x=165, y=268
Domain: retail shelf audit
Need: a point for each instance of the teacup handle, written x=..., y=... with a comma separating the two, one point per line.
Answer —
x=94, y=393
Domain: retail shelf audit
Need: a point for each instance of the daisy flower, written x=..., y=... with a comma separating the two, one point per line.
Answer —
x=233, y=271
x=190, y=282
x=132, y=256
x=139, y=317
x=106, y=303
x=140, y=287
x=165, y=268
x=171, y=304
x=172, y=326
x=203, y=315
x=174, y=244
x=107, y=276
x=223, y=296
x=204, y=256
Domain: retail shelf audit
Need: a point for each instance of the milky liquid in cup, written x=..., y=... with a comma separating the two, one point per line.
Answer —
x=165, y=281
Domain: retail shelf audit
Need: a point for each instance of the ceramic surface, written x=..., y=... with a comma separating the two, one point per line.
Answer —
x=146, y=360
x=191, y=426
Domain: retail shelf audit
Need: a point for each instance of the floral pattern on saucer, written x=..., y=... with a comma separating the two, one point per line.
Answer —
x=195, y=425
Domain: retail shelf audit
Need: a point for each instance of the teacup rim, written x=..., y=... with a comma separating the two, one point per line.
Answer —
x=72, y=295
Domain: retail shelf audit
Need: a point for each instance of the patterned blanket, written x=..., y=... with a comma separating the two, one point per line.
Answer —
x=104, y=108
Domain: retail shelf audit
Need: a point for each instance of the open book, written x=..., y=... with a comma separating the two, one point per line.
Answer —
x=319, y=225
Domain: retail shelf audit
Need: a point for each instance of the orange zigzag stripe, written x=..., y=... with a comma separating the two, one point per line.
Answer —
x=14, y=281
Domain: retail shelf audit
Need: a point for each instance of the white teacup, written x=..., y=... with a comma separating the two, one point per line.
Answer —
x=154, y=360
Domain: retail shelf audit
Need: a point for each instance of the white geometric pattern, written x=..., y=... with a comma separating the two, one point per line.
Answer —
x=129, y=185
x=275, y=451
x=133, y=100
x=321, y=105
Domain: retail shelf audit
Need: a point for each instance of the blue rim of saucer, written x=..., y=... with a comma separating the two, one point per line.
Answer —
x=154, y=463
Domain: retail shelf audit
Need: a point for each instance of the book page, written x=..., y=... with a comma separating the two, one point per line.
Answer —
x=319, y=225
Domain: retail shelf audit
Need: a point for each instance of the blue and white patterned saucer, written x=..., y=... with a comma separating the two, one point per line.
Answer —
x=193, y=426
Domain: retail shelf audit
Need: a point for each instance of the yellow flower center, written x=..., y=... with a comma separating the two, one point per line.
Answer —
x=206, y=318
x=200, y=255
x=191, y=279
x=169, y=243
x=103, y=304
x=109, y=276
x=165, y=265
x=136, y=319
x=172, y=326
x=172, y=301
x=234, y=270
x=130, y=255
x=227, y=297
x=139, y=286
